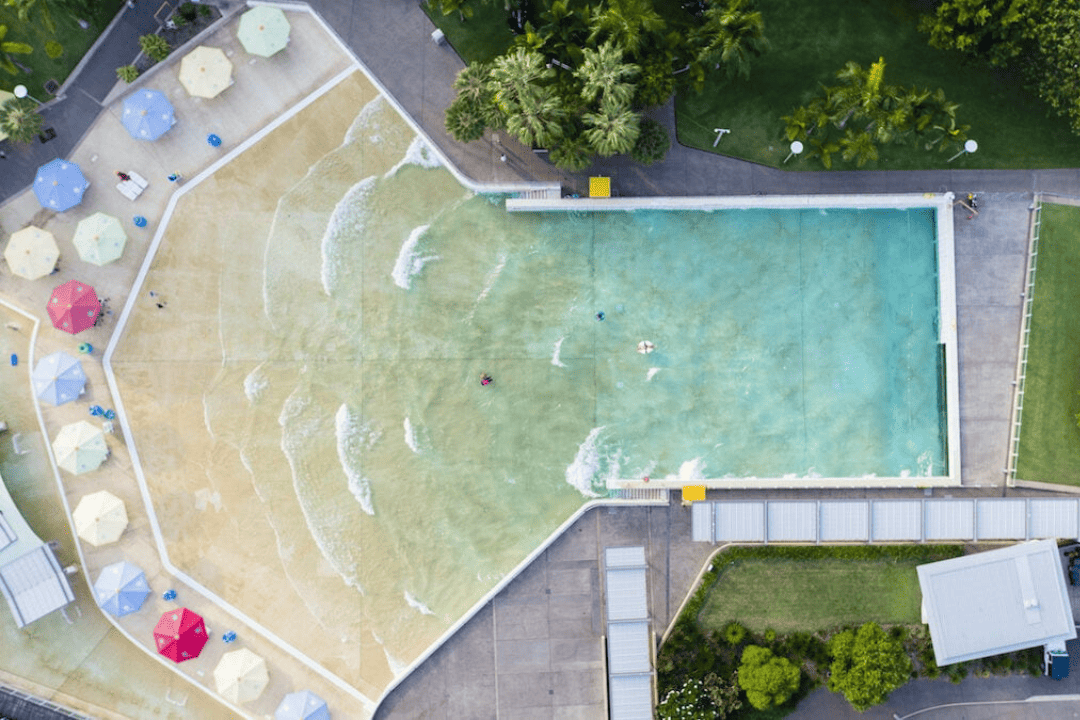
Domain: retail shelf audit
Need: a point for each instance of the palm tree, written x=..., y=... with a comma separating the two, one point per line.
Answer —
x=20, y=120
x=465, y=121
x=604, y=73
x=730, y=35
x=11, y=48
x=23, y=7
x=517, y=75
x=626, y=22
x=612, y=130
x=572, y=154
x=537, y=119
x=859, y=147
x=564, y=30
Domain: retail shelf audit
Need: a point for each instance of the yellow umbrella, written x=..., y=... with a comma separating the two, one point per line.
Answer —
x=263, y=30
x=205, y=72
x=80, y=447
x=241, y=676
x=32, y=253
x=100, y=239
x=100, y=518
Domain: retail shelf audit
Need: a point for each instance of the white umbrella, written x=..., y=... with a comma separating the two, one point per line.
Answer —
x=31, y=253
x=205, y=72
x=241, y=676
x=100, y=518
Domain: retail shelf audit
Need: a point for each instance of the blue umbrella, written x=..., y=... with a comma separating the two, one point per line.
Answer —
x=58, y=378
x=59, y=185
x=148, y=114
x=121, y=588
x=303, y=705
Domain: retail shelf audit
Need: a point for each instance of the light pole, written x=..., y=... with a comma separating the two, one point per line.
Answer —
x=20, y=92
x=796, y=148
x=720, y=132
x=969, y=147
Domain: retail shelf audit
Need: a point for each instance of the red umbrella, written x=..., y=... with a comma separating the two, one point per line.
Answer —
x=74, y=307
x=180, y=635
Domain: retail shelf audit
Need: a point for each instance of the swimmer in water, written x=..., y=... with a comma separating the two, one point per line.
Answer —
x=485, y=379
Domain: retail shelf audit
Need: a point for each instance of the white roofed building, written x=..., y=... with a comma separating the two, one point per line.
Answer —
x=996, y=602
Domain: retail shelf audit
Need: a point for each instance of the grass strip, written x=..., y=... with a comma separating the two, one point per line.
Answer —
x=1049, y=437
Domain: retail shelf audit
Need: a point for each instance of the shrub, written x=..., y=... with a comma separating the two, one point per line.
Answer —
x=768, y=680
x=188, y=11
x=867, y=665
x=54, y=49
x=127, y=73
x=734, y=633
x=205, y=10
x=652, y=143
x=156, y=47
x=770, y=635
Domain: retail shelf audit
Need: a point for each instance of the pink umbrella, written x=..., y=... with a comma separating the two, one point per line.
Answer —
x=74, y=307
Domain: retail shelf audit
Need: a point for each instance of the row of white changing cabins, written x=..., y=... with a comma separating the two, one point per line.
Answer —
x=912, y=520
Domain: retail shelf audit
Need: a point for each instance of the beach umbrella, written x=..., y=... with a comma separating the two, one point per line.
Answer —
x=73, y=307
x=263, y=30
x=59, y=185
x=205, y=72
x=100, y=239
x=100, y=518
x=241, y=676
x=180, y=635
x=31, y=252
x=303, y=705
x=58, y=378
x=121, y=588
x=80, y=447
x=147, y=115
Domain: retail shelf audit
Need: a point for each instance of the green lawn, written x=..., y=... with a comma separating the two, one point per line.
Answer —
x=1049, y=436
x=73, y=38
x=812, y=40
x=483, y=37
x=812, y=595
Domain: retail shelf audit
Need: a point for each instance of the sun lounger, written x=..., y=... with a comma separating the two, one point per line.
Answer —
x=132, y=189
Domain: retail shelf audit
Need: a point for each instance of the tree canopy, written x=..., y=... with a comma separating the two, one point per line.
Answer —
x=767, y=679
x=867, y=665
x=1038, y=38
x=580, y=75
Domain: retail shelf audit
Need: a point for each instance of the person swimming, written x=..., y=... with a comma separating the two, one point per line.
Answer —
x=600, y=315
x=485, y=379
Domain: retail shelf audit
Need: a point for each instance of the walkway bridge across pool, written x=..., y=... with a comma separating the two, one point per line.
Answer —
x=885, y=521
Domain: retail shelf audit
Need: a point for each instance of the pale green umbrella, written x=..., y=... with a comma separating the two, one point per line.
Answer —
x=263, y=30
x=100, y=239
x=80, y=447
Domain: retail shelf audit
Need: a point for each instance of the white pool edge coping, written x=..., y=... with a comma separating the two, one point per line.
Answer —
x=942, y=203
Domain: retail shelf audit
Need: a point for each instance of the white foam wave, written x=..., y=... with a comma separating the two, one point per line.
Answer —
x=925, y=463
x=491, y=277
x=418, y=154
x=410, y=436
x=652, y=372
x=255, y=383
x=206, y=415
x=295, y=437
x=19, y=449
x=365, y=121
x=350, y=440
x=396, y=666
x=586, y=465
x=409, y=261
x=555, y=356
x=417, y=605
x=346, y=221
